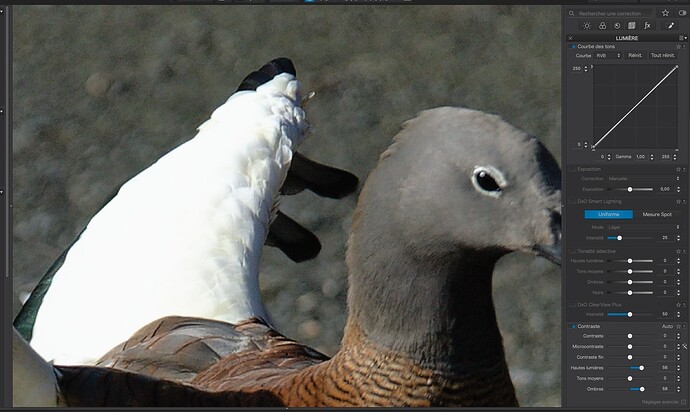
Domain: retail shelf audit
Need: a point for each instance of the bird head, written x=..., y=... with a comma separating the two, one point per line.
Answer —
x=466, y=179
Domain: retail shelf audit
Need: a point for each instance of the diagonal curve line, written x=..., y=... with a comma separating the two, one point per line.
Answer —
x=635, y=107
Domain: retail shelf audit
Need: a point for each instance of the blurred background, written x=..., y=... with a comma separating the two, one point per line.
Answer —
x=102, y=92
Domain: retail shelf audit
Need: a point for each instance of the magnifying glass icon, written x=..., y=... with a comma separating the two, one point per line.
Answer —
x=571, y=13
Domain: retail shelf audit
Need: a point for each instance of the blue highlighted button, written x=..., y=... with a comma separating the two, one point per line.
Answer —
x=608, y=214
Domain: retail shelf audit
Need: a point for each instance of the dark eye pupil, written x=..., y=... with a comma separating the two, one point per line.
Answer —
x=487, y=182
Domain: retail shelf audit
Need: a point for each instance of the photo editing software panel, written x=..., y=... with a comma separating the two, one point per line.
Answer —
x=625, y=158
x=625, y=123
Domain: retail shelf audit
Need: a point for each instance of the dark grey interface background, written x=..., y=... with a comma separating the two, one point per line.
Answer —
x=626, y=113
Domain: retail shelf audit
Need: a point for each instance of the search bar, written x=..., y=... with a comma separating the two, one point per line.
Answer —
x=603, y=13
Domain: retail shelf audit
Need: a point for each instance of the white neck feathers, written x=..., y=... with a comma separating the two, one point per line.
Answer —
x=184, y=237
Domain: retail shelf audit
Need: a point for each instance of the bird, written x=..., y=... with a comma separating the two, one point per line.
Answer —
x=455, y=191
x=184, y=236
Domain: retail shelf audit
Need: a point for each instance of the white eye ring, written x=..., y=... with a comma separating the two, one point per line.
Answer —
x=488, y=181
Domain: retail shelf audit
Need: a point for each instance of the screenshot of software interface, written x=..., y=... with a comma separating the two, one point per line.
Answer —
x=594, y=316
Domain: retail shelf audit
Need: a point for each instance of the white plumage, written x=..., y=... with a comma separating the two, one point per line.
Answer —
x=192, y=224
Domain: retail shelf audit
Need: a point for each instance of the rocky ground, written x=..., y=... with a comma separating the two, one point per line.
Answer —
x=102, y=92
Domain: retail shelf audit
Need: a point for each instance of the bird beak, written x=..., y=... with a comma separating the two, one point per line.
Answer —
x=552, y=252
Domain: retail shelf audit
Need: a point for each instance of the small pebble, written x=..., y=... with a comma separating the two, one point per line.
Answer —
x=310, y=329
x=330, y=288
x=307, y=302
x=97, y=84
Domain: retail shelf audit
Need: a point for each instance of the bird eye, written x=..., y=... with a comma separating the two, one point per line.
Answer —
x=488, y=180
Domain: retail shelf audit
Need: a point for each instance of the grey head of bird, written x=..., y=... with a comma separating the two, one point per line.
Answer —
x=456, y=190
